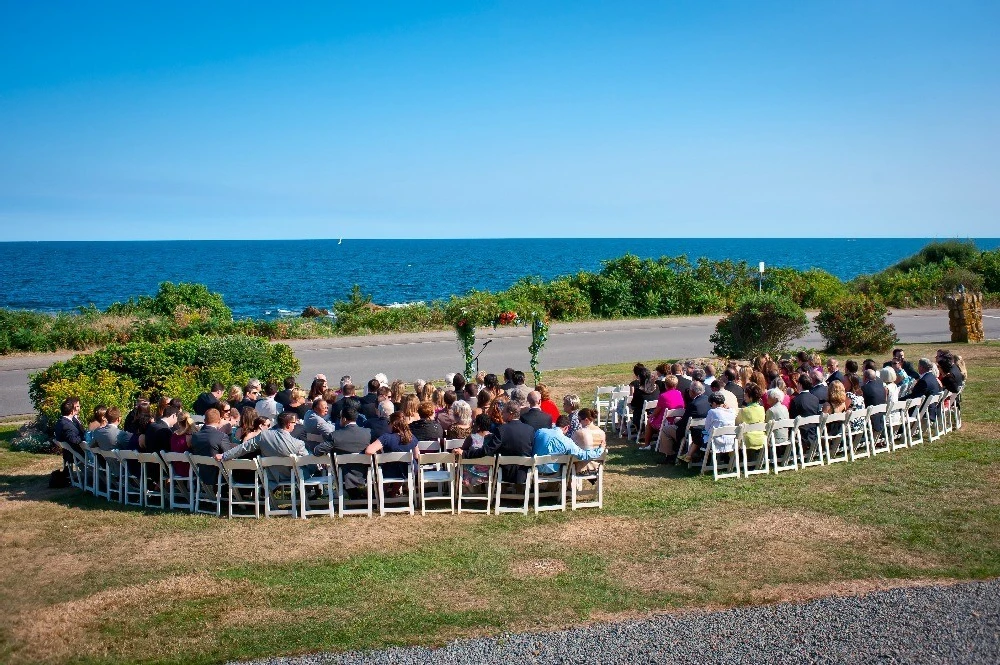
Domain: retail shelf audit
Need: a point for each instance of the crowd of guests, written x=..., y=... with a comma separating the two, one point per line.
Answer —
x=487, y=416
x=768, y=389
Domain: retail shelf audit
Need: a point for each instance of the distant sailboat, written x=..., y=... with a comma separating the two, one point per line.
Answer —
x=340, y=242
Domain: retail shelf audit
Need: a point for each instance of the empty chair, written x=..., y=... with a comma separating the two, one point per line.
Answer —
x=618, y=409
x=550, y=471
x=321, y=482
x=809, y=440
x=832, y=434
x=278, y=477
x=243, y=487
x=181, y=481
x=503, y=479
x=876, y=429
x=357, y=464
x=207, y=497
x=584, y=475
x=131, y=477
x=152, y=480
x=437, y=469
x=399, y=475
x=755, y=460
x=602, y=403
x=781, y=440
x=475, y=473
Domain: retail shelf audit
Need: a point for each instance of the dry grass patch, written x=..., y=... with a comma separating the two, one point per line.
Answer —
x=798, y=593
x=597, y=534
x=538, y=568
x=452, y=595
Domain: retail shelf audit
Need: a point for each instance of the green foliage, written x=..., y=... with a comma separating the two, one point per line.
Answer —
x=32, y=441
x=184, y=300
x=810, y=289
x=117, y=374
x=988, y=266
x=956, y=277
x=856, y=324
x=954, y=252
x=762, y=323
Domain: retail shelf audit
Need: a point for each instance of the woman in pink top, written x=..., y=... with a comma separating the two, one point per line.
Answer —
x=671, y=398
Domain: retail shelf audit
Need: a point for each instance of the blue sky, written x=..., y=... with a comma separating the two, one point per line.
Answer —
x=150, y=120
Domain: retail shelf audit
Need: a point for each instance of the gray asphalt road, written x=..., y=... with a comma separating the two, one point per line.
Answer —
x=431, y=355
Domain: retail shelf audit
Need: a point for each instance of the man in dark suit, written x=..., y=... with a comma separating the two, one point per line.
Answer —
x=349, y=439
x=534, y=415
x=697, y=407
x=805, y=404
x=348, y=398
x=927, y=384
x=733, y=386
x=833, y=371
x=158, y=432
x=369, y=400
x=819, y=388
x=209, y=399
x=508, y=375
x=209, y=441
x=68, y=428
x=284, y=397
x=683, y=382
x=873, y=390
x=512, y=438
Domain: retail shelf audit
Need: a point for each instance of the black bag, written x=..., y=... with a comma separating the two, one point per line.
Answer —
x=59, y=479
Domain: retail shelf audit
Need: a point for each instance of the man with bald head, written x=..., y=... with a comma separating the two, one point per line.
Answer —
x=534, y=415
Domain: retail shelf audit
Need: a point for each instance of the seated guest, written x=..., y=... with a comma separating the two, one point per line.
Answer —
x=458, y=385
x=446, y=416
x=251, y=394
x=399, y=439
x=284, y=398
x=142, y=406
x=805, y=404
x=732, y=384
x=471, y=395
x=478, y=475
x=370, y=409
x=180, y=436
x=158, y=432
x=268, y=407
x=547, y=405
x=777, y=411
x=235, y=396
x=99, y=418
x=683, y=381
x=836, y=402
x=273, y=442
x=752, y=414
x=534, y=416
x=833, y=371
x=230, y=418
x=209, y=399
x=899, y=356
x=553, y=441
x=209, y=441
x=927, y=384
x=462, y=417
x=247, y=427
x=409, y=408
x=109, y=437
x=508, y=381
x=370, y=399
x=819, y=388
x=347, y=439
x=668, y=400
x=483, y=401
x=398, y=390
x=718, y=416
x=951, y=377
x=297, y=403
x=856, y=404
x=426, y=428
x=379, y=424
x=348, y=396
x=513, y=437
x=317, y=427
x=697, y=407
x=643, y=388
x=316, y=389
x=571, y=405
x=589, y=437
x=732, y=401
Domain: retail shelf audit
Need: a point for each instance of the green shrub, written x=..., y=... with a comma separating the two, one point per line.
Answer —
x=955, y=277
x=956, y=252
x=32, y=441
x=988, y=266
x=761, y=323
x=810, y=289
x=186, y=300
x=103, y=387
x=856, y=324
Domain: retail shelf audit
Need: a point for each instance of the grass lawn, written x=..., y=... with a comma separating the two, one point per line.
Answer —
x=84, y=581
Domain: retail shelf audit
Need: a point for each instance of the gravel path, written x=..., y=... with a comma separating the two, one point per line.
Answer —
x=953, y=624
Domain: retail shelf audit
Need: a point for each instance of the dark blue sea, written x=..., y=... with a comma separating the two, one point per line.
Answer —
x=271, y=278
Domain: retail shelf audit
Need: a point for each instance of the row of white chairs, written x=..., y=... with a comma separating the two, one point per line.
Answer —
x=816, y=441
x=309, y=485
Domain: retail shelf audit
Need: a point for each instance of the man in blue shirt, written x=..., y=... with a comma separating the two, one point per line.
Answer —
x=553, y=441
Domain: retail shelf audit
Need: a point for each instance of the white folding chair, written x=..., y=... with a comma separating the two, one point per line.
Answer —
x=182, y=485
x=878, y=441
x=500, y=480
x=205, y=493
x=429, y=446
x=277, y=475
x=834, y=445
x=930, y=419
x=788, y=459
x=75, y=467
x=345, y=504
x=452, y=444
x=944, y=412
x=131, y=477
x=955, y=406
x=595, y=476
x=399, y=504
x=913, y=429
x=602, y=404
x=152, y=480
x=761, y=462
x=619, y=409
x=858, y=446
x=485, y=463
x=647, y=407
x=559, y=477
x=730, y=469
x=107, y=477
x=686, y=441
x=436, y=469
x=243, y=486
x=90, y=470
x=323, y=481
x=810, y=452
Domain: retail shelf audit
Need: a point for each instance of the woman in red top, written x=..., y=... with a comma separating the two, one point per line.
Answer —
x=547, y=405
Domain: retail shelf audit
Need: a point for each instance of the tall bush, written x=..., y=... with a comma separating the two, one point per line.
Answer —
x=761, y=323
x=855, y=324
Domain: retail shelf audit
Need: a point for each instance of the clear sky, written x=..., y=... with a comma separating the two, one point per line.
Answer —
x=141, y=119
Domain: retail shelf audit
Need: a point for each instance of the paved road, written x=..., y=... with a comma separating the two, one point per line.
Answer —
x=431, y=355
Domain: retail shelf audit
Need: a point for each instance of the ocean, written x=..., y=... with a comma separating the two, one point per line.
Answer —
x=272, y=278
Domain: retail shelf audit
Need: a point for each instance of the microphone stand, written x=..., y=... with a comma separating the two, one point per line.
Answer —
x=476, y=358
